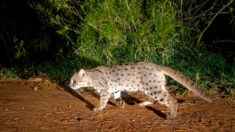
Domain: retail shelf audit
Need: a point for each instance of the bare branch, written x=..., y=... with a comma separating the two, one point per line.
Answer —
x=199, y=39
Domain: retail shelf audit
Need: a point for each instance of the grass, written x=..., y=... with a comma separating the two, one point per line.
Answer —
x=8, y=73
x=54, y=69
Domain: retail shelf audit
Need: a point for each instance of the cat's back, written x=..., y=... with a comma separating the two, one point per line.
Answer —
x=125, y=70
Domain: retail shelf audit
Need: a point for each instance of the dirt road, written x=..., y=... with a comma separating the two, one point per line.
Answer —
x=36, y=105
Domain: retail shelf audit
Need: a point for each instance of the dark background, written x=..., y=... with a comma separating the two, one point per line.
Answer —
x=42, y=43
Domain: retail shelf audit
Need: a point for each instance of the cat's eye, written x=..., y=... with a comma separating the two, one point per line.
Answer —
x=74, y=81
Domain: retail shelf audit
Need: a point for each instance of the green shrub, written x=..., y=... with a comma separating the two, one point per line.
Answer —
x=8, y=73
x=120, y=31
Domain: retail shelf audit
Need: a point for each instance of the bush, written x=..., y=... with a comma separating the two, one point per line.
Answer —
x=120, y=31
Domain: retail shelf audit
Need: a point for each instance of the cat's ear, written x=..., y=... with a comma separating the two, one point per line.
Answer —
x=82, y=72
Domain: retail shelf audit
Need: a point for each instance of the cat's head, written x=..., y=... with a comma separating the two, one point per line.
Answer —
x=79, y=80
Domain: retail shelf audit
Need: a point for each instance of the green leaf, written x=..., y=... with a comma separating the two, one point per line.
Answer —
x=63, y=31
x=231, y=10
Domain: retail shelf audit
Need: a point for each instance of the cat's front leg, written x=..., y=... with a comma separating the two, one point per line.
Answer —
x=104, y=98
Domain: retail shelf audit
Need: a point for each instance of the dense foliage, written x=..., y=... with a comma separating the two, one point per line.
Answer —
x=71, y=34
x=121, y=31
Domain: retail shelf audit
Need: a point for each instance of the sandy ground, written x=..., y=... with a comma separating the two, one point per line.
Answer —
x=38, y=105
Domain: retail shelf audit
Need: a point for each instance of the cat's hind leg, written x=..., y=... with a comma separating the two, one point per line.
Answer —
x=118, y=98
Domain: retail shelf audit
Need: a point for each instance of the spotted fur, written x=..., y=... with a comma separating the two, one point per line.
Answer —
x=142, y=76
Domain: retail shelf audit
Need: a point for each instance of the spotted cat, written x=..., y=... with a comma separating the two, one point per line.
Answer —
x=141, y=76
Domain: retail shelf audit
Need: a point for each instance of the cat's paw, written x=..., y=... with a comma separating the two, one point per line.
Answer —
x=146, y=103
x=97, y=109
x=142, y=105
x=122, y=104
